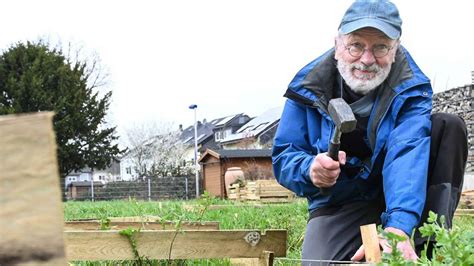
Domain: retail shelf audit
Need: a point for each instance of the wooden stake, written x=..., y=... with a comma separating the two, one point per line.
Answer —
x=370, y=241
x=31, y=214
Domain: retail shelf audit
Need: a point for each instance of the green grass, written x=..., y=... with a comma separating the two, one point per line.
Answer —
x=291, y=216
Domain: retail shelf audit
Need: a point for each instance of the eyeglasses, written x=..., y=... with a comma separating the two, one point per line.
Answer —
x=357, y=50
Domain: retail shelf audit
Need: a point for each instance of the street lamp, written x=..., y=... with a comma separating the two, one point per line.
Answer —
x=194, y=106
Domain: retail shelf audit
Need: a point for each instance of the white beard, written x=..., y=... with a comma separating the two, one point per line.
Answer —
x=362, y=84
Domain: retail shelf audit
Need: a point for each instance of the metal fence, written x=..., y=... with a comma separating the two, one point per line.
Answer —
x=162, y=188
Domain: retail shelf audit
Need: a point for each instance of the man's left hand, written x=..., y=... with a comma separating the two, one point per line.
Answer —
x=404, y=247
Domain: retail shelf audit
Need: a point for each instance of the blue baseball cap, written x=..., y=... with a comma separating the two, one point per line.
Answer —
x=380, y=14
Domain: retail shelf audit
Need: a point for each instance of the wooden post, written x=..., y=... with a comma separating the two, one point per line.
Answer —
x=31, y=214
x=267, y=258
x=370, y=240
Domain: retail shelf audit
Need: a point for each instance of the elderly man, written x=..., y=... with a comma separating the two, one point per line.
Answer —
x=397, y=164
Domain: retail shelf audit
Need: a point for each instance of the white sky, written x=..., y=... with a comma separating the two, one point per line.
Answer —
x=227, y=57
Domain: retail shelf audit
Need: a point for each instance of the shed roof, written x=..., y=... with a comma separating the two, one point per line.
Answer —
x=86, y=184
x=240, y=153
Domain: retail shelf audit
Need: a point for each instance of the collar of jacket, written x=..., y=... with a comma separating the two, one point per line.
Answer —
x=314, y=84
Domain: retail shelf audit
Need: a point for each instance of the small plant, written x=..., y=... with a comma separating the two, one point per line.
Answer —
x=395, y=257
x=104, y=223
x=204, y=202
x=131, y=234
x=104, y=219
x=453, y=247
x=178, y=229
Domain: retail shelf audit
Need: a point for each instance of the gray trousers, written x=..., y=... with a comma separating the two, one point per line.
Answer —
x=335, y=234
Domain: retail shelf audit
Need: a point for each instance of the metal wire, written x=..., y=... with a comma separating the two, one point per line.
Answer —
x=316, y=262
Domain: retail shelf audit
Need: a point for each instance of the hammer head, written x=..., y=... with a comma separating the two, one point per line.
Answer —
x=342, y=115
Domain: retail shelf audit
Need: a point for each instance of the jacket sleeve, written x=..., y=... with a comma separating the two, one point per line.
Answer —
x=406, y=163
x=292, y=153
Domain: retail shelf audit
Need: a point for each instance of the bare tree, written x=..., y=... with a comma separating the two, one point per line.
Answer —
x=156, y=150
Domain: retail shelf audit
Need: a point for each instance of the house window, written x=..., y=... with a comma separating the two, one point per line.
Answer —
x=128, y=170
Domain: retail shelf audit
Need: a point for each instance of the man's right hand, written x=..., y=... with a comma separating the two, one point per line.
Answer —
x=324, y=171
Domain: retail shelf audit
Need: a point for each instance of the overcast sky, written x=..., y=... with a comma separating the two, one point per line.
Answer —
x=227, y=57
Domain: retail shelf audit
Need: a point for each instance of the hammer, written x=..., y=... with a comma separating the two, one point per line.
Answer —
x=341, y=114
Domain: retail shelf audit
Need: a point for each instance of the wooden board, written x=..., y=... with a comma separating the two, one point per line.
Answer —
x=467, y=199
x=109, y=245
x=31, y=214
x=464, y=212
x=119, y=225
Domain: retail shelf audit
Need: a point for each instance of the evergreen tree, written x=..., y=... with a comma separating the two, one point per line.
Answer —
x=35, y=77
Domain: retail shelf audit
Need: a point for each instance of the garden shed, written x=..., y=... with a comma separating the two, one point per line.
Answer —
x=255, y=163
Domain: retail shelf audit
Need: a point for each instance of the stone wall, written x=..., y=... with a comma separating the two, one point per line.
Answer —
x=459, y=101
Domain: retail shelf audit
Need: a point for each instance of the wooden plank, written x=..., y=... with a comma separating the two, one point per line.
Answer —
x=464, y=212
x=109, y=245
x=275, y=200
x=275, y=194
x=119, y=225
x=370, y=241
x=266, y=259
x=31, y=214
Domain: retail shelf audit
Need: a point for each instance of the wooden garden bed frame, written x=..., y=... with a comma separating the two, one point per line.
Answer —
x=187, y=244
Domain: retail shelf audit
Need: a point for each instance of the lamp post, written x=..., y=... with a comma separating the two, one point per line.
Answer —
x=194, y=106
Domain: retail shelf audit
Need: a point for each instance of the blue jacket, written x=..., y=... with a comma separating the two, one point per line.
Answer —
x=398, y=133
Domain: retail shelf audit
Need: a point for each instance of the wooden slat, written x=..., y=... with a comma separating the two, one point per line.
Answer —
x=109, y=245
x=275, y=200
x=119, y=225
x=266, y=259
x=464, y=212
x=31, y=214
x=370, y=241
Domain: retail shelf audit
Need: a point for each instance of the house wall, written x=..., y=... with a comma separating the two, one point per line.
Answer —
x=243, y=144
x=127, y=170
x=253, y=168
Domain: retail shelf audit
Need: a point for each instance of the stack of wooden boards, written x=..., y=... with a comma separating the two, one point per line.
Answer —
x=466, y=204
x=264, y=191
x=467, y=199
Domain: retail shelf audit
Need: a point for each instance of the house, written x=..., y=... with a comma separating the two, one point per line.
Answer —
x=258, y=133
x=228, y=125
x=128, y=171
x=110, y=174
x=205, y=138
x=210, y=133
x=255, y=163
